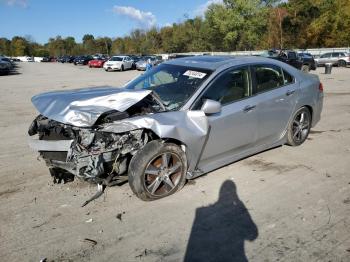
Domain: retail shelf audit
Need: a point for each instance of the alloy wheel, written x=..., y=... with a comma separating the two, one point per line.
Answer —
x=301, y=127
x=163, y=174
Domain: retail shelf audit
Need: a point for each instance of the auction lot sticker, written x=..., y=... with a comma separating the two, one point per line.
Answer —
x=194, y=74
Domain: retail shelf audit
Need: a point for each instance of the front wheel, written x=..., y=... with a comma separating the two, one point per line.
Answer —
x=305, y=68
x=157, y=170
x=122, y=68
x=299, y=128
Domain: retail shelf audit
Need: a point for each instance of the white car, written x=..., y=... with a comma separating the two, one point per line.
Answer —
x=120, y=63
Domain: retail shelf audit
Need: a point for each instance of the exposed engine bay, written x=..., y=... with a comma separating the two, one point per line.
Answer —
x=94, y=155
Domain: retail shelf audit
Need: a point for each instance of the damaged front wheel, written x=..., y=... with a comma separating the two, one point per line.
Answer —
x=157, y=170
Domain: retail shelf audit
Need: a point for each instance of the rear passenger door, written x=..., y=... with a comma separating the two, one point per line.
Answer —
x=276, y=91
x=335, y=58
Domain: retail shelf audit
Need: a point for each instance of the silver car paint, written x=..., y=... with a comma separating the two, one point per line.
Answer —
x=213, y=141
x=83, y=107
x=188, y=127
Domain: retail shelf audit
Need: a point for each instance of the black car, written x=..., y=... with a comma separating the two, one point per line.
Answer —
x=304, y=63
x=82, y=60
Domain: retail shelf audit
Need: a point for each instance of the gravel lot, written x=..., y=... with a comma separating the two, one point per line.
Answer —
x=286, y=204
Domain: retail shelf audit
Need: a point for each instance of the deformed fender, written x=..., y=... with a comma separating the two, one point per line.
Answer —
x=189, y=127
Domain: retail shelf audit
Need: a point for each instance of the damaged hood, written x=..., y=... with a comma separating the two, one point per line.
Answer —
x=82, y=107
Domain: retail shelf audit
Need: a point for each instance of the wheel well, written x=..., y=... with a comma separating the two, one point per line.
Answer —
x=154, y=136
x=310, y=110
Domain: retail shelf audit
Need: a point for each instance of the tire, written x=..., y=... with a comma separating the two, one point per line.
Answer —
x=305, y=68
x=122, y=68
x=90, y=66
x=150, y=178
x=341, y=63
x=299, y=128
x=106, y=70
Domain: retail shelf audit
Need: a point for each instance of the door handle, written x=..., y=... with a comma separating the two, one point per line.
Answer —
x=290, y=92
x=248, y=108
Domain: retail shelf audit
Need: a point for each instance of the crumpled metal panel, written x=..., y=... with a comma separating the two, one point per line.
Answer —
x=189, y=127
x=83, y=107
x=49, y=145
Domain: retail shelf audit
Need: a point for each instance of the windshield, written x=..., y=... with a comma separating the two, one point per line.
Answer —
x=173, y=84
x=116, y=58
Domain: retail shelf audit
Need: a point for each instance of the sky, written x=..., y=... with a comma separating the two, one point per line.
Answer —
x=42, y=19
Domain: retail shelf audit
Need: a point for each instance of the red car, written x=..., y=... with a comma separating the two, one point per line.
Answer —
x=96, y=63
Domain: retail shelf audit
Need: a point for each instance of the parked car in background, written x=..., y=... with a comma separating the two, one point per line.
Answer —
x=5, y=66
x=48, y=59
x=304, y=63
x=15, y=59
x=69, y=59
x=182, y=119
x=82, y=60
x=142, y=63
x=97, y=63
x=120, y=63
x=336, y=58
x=8, y=60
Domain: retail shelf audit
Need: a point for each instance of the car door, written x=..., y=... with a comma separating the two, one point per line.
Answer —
x=128, y=62
x=276, y=91
x=293, y=60
x=234, y=129
x=325, y=58
x=335, y=58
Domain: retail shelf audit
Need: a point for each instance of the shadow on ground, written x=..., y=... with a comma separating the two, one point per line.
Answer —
x=220, y=230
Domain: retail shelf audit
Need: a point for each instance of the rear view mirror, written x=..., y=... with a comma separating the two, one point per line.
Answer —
x=210, y=107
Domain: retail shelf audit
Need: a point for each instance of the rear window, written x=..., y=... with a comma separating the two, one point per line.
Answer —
x=116, y=58
x=288, y=78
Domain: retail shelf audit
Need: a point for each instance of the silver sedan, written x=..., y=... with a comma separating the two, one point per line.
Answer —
x=182, y=119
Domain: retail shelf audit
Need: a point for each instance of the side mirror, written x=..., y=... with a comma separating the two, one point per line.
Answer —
x=210, y=107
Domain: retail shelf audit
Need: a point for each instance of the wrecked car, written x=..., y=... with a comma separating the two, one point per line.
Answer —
x=178, y=121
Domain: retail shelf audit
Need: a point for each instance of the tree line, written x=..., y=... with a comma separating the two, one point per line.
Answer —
x=229, y=26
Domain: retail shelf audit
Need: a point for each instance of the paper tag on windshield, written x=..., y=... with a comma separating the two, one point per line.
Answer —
x=194, y=74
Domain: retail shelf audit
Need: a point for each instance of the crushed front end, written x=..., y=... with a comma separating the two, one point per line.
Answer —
x=89, y=152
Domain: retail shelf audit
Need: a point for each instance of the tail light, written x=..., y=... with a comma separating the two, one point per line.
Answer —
x=320, y=88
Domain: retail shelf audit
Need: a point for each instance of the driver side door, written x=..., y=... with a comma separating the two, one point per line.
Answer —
x=234, y=129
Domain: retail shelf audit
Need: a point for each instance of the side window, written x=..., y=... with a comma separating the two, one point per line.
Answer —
x=288, y=79
x=335, y=55
x=268, y=77
x=231, y=86
x=328, y=55
x=292, y=55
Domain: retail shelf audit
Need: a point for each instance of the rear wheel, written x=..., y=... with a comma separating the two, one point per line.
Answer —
x=157, y=170
x=342, y=63
x=299, y=128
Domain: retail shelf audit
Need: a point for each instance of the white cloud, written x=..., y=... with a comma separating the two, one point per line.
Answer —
x=21, y=3
x=200, y=10
x=144, y=19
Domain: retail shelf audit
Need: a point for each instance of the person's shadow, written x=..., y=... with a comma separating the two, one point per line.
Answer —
x=219, y=231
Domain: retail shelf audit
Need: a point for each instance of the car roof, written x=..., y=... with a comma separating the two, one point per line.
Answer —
x=214, y=62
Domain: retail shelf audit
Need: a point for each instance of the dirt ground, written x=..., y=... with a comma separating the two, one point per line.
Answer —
x=286, y=204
